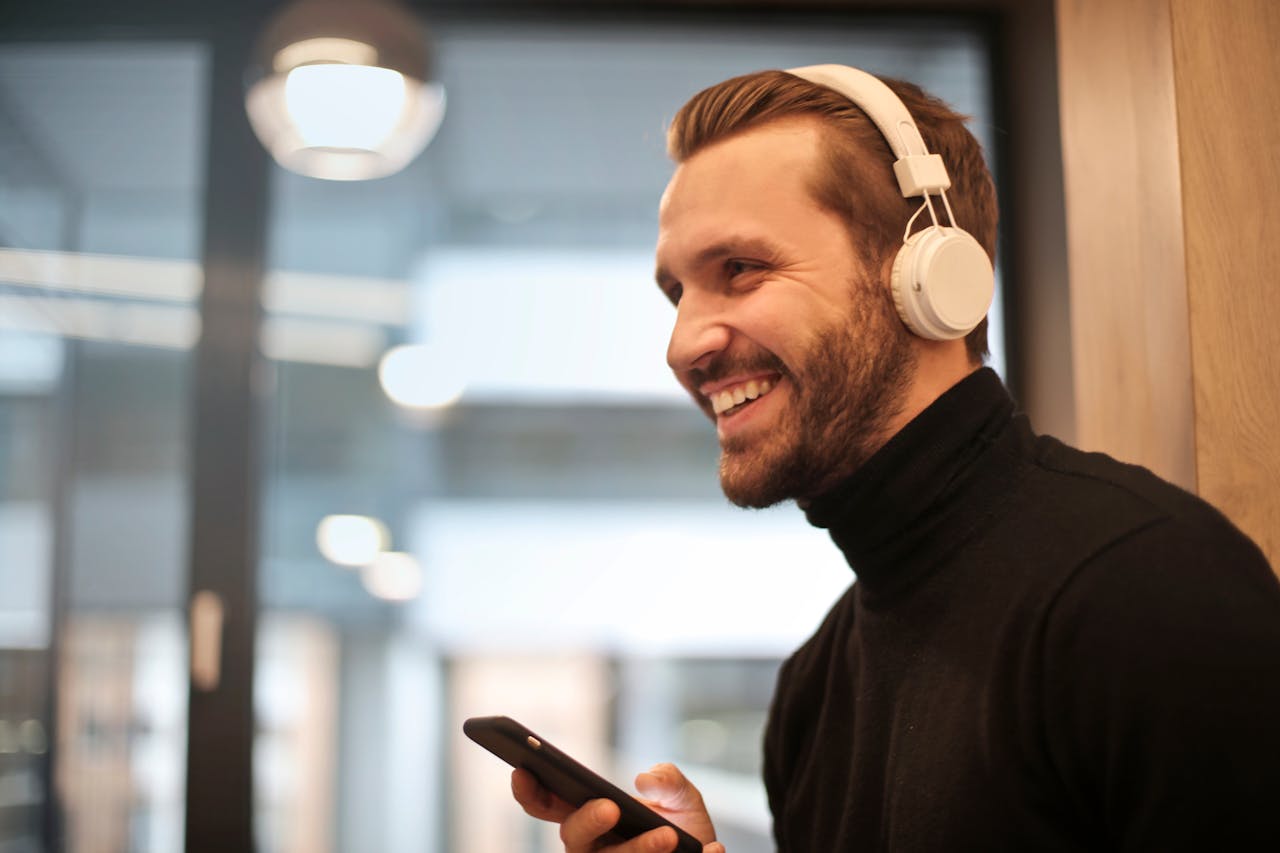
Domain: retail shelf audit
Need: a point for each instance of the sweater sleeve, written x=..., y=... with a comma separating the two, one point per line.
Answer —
x=1161, y=684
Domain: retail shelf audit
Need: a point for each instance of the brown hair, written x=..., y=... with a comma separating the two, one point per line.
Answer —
x=861, y=190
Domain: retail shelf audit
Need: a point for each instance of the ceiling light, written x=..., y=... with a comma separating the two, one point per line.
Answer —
x=393, y=576
x=421, y=376
x=342, y=90
x=351, y=540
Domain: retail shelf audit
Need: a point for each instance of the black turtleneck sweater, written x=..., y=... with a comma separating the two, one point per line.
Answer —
x=1045, y=650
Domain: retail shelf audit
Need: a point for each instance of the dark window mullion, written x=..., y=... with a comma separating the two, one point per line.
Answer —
x=225, y=456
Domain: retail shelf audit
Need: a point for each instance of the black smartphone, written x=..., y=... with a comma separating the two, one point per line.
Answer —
x=568, y=779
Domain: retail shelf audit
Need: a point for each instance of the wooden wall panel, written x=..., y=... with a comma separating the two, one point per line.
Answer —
x=1131, y=354
x=1227, y=73
x=1170, y=114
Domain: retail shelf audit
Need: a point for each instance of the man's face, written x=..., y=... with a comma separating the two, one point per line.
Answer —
x=783, y=335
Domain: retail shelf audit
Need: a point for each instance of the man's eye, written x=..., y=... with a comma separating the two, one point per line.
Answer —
x=737, y=267
x=674, y=292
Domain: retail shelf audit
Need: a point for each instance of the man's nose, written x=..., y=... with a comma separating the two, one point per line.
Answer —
x=700, y=332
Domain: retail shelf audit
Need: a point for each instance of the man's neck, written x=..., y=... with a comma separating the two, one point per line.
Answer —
x=937, y=371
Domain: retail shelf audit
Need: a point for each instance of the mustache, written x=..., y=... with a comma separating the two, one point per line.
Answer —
x=724, y=366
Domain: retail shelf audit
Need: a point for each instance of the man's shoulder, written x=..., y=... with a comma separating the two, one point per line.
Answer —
x=1076, y=528
x=1129, y=529
x=1089, y=497
x=1109, y=482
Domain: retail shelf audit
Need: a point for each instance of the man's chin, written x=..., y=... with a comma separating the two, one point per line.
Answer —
x=750, y=498
x=751, y=486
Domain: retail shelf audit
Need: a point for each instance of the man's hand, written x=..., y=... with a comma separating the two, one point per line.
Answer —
x=667, y=792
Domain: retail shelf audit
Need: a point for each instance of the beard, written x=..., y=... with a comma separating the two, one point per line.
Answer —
x=846, y=388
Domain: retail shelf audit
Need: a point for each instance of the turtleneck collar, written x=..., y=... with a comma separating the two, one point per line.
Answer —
x=910, y=504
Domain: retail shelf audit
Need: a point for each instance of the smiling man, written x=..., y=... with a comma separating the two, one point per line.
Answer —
x=1044, y=649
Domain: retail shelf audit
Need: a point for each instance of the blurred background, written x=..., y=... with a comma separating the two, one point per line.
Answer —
x=296, y=474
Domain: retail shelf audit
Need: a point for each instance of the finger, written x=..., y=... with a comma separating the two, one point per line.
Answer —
x=713, y=847
x=536, y=800
x=666, y=786
x=660, y=840
x=582, y=829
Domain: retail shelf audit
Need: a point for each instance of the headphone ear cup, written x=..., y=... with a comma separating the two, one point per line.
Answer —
x=942, y=283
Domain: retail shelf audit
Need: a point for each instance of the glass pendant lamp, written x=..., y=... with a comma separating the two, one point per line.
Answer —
x=342, y=89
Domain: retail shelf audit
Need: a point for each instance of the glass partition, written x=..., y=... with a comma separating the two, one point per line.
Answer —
x=100, y=191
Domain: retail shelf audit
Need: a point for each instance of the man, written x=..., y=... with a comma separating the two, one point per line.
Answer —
x=1044, y=649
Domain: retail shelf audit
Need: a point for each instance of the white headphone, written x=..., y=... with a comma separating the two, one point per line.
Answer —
x=942, y=278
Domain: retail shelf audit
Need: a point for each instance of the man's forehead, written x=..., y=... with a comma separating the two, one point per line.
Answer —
x=783, y=150
x=743, y=172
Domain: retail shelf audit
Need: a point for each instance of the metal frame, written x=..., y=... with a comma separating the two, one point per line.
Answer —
x=225, y=456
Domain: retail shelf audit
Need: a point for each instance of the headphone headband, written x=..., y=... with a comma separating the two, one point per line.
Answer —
x=918, y=171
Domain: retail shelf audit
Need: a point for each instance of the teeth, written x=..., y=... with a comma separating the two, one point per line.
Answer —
x=730, y=397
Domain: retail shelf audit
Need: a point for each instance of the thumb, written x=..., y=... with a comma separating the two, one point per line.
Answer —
x=665, y=785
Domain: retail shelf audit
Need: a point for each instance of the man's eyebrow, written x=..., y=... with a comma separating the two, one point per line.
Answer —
x=754, y=246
